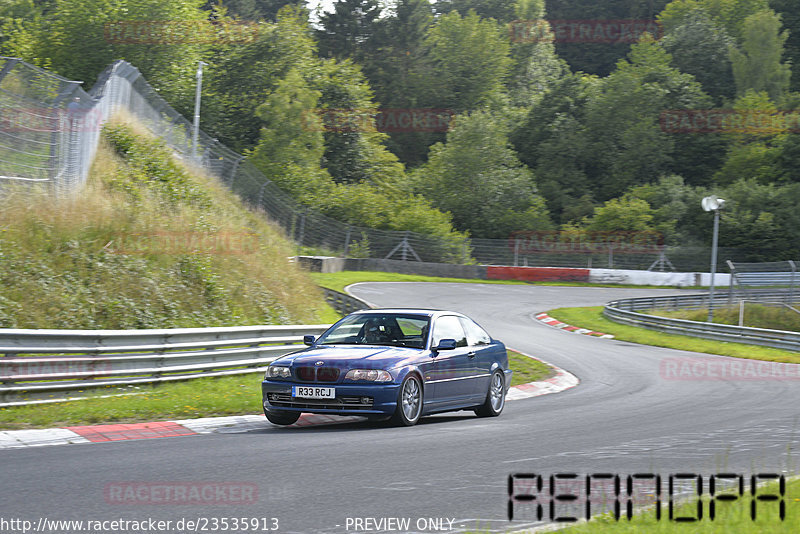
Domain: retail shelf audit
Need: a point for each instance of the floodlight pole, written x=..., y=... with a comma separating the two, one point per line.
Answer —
x=196, y=124
x=713, y=203
x=714, y=240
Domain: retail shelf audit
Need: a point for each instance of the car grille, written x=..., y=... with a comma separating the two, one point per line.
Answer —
x=343, y=402
x=317, y=374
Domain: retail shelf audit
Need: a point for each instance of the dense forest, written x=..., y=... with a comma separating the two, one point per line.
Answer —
x=527, y=115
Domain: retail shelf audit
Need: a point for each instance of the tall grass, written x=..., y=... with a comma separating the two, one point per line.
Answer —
x=755, y=315
x=69, y=263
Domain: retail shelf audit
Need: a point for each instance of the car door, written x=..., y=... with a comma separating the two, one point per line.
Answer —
x=450, y=374
x=480, y=345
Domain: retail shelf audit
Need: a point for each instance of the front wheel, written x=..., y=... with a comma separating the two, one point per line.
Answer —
x=409, y=402
x=282, y=418
x=495, y=397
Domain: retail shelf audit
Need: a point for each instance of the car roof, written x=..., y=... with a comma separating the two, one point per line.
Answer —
x=412, y=311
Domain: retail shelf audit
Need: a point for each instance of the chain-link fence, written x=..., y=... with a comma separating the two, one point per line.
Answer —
x=49, y=128
x=61, y=154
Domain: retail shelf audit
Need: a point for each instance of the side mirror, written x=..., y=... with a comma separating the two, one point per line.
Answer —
x=445, y=344
x=308, y=340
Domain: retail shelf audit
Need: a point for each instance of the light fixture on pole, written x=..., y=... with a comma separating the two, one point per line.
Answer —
x=196, y=124
x=713, y=203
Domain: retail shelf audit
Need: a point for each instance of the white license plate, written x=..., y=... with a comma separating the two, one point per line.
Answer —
x=310, y=392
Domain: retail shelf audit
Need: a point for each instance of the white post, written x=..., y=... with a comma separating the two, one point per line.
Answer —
x=196, y=123
x=741, y=312
x=713, y=266
x=713, y=203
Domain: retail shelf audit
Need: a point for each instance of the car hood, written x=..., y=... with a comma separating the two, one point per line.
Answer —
x=370, y=356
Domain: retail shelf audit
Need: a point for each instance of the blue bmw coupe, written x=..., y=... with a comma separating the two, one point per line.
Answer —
x=396, y=363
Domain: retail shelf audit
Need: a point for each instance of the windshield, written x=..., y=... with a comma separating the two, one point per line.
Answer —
x=393, y=329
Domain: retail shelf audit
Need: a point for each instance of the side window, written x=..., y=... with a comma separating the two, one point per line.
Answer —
x=475, y=334
x=448, y=327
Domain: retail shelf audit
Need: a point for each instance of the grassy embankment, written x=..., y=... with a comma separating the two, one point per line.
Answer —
x=120, y=255
x=755, y=316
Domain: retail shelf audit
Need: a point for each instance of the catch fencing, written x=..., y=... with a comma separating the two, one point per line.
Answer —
x=49, y=128
x=749, y=276
x=47, y=365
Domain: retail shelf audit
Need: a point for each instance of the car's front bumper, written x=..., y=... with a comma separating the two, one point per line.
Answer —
x=350, y=398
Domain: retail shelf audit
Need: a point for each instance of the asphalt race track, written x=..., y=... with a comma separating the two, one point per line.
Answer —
x=630, y=414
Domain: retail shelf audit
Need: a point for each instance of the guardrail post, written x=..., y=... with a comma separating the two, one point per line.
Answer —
x=791, y=285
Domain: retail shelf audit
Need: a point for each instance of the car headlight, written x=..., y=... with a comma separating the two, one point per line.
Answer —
x=373, y=375
x=278, y=371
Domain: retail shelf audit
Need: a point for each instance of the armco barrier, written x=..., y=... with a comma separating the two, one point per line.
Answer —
x=343, y=303
x=629, y=311
x=537, y=274
x=37, y=365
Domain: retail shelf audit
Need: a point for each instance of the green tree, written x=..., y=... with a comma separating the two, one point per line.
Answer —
x=761, y=220
x=347, y=31
x=758, y=64
x=291, y=145
x=468, y=61
x=701, y=48
x=71, y=40
x=17, y=19
x=396, y=71
x=240, y=77
x=353, y=154
x=755, y=150
x=502, y=11
x=672, y=202
x=625, y=214
x=252, y=10
x=292, y=149
x=790, y=16
x=727, y=14
x=622, y=120
x=399, y=41
x=598, y=58
x=536, y=66
x=552, y=141
x=477, y=178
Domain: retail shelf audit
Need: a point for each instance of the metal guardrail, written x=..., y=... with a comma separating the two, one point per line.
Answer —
x=629, y=311
x=344, y=303
x=45, y=365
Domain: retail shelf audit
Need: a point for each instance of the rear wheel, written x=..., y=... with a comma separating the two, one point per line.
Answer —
x=495, y=397
x=282, y=418
x=409, y=402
